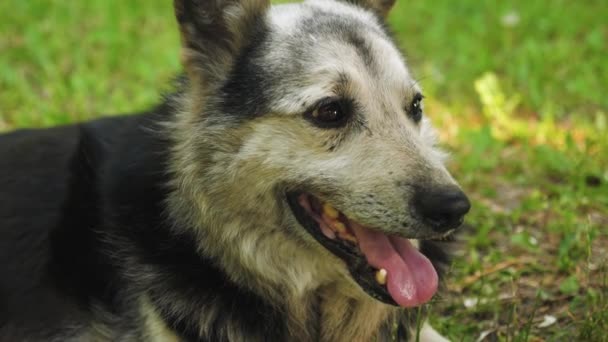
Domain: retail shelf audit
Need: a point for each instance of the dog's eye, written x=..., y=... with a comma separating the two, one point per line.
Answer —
x=415, y=110
x=328, y=113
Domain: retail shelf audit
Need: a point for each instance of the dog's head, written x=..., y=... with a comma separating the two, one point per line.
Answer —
x=304, y=121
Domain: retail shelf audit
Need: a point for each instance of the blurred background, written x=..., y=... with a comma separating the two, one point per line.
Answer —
x=516, y=88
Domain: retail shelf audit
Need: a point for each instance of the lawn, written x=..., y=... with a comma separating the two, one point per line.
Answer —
x=515, y=87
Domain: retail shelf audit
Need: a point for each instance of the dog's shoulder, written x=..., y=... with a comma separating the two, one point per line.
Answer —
x=50, y=255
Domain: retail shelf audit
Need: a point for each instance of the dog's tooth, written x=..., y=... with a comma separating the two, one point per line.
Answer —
x=381, y=276
x=330, y=211
x=348, y=237
x=339, y=226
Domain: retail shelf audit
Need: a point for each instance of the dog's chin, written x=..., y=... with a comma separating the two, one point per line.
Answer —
x=387, y=267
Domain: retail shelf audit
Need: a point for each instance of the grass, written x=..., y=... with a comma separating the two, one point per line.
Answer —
x=66, y=62
x=516, y=89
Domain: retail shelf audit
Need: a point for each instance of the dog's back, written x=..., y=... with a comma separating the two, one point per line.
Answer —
x=50, y=262
x=34, y=179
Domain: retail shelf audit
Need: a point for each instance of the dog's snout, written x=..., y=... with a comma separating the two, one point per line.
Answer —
x=443, y=209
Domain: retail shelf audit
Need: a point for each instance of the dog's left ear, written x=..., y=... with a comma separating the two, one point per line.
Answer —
x=214, y=33
x=380, y=7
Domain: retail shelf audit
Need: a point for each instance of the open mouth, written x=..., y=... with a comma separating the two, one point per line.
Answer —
x=387, y=267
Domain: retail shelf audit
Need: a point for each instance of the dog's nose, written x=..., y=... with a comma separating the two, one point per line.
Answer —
x=443, y=209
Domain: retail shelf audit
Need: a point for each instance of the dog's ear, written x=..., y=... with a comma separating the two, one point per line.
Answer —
x=214, y=32
x=380, y=7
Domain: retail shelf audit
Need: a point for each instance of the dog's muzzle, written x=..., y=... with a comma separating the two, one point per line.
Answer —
x=387, y=267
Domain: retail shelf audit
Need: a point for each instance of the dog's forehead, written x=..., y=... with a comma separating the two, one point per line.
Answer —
x=319, y=45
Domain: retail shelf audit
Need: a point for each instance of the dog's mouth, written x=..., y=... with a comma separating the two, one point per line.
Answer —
x=387, y=267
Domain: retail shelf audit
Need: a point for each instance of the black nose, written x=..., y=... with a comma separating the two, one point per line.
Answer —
x=443, y=209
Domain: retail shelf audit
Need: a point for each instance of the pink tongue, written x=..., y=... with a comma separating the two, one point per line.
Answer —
x=412, y=279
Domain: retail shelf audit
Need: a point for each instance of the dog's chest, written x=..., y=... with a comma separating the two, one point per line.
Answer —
x=334, y=316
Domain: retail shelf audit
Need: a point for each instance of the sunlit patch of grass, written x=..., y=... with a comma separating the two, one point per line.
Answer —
x=540, y=206
x=537, y=51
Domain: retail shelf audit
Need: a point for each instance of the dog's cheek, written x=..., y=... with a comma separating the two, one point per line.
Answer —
x=288, y=149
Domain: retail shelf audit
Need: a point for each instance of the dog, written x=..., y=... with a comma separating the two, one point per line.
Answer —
x=290, y=189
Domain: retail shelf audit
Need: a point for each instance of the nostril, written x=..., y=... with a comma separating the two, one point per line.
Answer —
x=456, y=204
x=443, y=209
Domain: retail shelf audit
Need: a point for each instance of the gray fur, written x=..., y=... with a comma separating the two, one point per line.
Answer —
x=309, y=51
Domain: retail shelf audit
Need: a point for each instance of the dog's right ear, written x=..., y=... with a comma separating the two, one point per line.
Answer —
x=213, y=33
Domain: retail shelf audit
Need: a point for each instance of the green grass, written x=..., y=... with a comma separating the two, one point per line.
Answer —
x=554, y=52
x=73, y=61
x=521, y=107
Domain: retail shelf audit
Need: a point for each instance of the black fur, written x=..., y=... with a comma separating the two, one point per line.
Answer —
x=35, y=182
x=245, y=92
x=82, y=206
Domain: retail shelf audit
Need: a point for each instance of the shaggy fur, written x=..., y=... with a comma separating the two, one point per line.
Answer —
x=172, y=225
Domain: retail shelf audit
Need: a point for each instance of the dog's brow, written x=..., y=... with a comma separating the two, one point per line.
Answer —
x=413, y=86
x=342, y=83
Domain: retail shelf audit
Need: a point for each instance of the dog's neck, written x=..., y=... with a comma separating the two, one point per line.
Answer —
x=346, y=318
x=323, y=315
x=297, y=284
